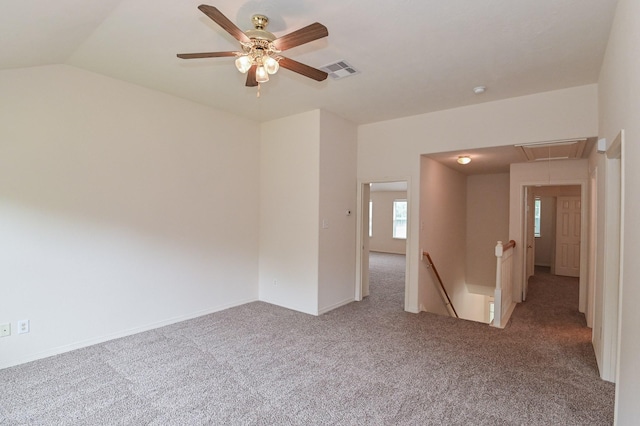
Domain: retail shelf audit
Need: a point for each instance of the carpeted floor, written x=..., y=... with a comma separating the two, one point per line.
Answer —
x=386, y=274
x=367, y=363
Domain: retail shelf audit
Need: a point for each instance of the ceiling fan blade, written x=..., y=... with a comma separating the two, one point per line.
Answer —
x=224, y=22
x=303, y=35
x=251, y=76
x=303, y=69
x=206, y=55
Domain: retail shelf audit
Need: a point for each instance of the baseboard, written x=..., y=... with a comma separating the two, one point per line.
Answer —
x=506, y=317
x=123, y=333
x=387, y=252
x=335, y=306
x=287, y=306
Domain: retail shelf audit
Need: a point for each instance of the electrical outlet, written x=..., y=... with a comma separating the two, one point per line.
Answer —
x=23, y=326
x=5, y=330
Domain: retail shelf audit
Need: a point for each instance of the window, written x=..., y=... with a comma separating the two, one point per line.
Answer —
x=370, y=218
x=536, y=217
x=400, y=219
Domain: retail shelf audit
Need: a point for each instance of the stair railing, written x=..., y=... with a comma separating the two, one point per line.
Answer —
x=447, y=302
x=503, y=303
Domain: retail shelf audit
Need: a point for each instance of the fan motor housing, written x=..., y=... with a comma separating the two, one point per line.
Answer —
x=260, y=22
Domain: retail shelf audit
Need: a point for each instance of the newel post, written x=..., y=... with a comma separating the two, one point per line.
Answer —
x=499, y=252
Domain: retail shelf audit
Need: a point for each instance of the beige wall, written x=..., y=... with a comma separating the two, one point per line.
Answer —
x=382, y=220
x=289, y=211
x=307, y=186
x=121, y=209
x=606, y=270
x=557, y=191
x=337, y=255
x=619, y=100
x=443, y=224
x=461, y=219
x=391, y=150
x=487, y=223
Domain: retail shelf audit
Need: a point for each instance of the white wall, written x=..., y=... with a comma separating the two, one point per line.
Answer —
x=337, y=251
x=289, y=211
x=392, y=149
x=307, y=186
x=121, y=209
x=487, y=223
x=619, y=100
x=443, y=233
x=382, y=220
x=607, y=265
x=445, y=236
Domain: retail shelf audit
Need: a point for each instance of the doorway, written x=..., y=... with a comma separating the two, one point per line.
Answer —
x=383, y=232
x=554, y=228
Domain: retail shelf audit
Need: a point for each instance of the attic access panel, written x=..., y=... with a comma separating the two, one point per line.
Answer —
x=554, y=150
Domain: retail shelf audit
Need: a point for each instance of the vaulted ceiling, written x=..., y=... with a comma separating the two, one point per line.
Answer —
x=414, y=56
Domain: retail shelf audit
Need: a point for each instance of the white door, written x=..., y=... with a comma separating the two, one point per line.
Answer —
x=529, y=239
x=364, y=256
x=568, y=236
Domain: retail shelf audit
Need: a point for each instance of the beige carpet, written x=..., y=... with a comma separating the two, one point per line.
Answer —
x=367, y=363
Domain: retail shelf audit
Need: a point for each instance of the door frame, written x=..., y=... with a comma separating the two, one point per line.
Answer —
x=593, y=244
x=613, y=264
x=362, y=244
x=584, y=260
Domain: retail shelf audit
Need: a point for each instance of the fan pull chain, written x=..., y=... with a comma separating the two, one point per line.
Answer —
x=258, y=94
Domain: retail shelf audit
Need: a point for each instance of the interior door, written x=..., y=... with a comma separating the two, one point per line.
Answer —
x=364, y=264
x=529, y=237
x=568, y=236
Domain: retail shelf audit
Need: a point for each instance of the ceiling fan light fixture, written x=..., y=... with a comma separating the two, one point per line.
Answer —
x=261, y=74
x=260, y=49
x=243, y=63
x=271, y=65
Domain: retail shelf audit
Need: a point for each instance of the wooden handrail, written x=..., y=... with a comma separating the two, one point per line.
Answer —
x=435, y=271
x=507, y=246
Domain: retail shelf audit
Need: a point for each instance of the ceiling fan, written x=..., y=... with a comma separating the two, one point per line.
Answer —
x=260, y=55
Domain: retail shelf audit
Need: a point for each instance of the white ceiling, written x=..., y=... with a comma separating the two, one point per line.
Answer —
x=414, y=56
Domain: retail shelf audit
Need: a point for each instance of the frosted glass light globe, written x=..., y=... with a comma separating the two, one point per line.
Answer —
x=271, y=65
x=261, y=75
x=243, y=63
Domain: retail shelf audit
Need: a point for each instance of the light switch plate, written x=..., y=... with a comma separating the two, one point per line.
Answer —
x=23, y=326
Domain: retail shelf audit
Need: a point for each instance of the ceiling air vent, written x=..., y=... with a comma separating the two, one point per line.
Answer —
x=340, y=69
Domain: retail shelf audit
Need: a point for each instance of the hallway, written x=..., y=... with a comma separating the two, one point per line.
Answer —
x=550, y=318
